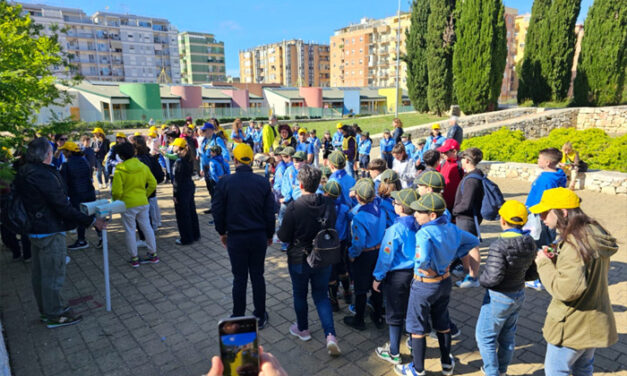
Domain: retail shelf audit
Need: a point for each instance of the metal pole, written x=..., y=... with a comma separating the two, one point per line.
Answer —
x=398, y=56
x=105, y=257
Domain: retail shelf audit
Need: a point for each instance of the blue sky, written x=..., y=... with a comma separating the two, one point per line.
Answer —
x=242, y=24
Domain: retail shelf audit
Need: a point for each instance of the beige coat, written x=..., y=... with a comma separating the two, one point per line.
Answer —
x=580, y=313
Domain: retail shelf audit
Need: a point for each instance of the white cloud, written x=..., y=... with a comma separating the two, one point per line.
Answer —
x=230, y=25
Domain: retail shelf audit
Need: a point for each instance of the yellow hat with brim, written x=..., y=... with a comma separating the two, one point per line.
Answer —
x=70, y=146
x=120, y=135
x=191, y=126
x=137, y=134
x=98, y=130
x=152, y=134
x=556, y=198
x=431, y=202
x=180, y=142
x=152, y=129
x=164, y=126
x=435, y=126
x=339, y=125
x=243, y=153
x=514, y=209
x=302, y=131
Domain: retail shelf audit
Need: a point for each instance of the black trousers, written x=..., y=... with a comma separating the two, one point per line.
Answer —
x=9, y=239
x=186, y=217
x=247, y=252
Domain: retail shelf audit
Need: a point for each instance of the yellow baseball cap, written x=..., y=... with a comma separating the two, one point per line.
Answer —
x=152, y=134
x=70, y=146
x=511, y=209
x=180, y=142
x=120, y=135
x=243, y=153
x=137, y=134
x=191, y=126
x=302, y=130
x=435, y=126
x=339, y=125
x=556, y=198
x=98, y=130
x=152, y=128
x=164, y=126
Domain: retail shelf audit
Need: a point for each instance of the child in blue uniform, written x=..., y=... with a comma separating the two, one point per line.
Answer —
x=339, y=272
x=438, y=243
x=365, y=144
x=338, y=137
x=386, y=145
x=389, y=183
x=375, y=169
x=218, y=167
x=410, y=149
x=395, y=270
x=367, y=230
x=305, y=146
x=337, y=162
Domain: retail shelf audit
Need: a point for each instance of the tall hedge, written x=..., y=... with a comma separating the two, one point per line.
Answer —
x=479, y=55
x=602, y=64
x=440, y=39
x=416, y=56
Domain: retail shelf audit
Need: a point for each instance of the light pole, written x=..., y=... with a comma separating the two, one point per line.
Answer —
x=398, y=56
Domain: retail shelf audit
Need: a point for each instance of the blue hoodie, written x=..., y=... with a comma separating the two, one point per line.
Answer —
x=218, y=167
x=546, y=180
x=398, y=247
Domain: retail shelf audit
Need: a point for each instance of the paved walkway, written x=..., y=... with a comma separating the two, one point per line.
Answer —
x=164, y=316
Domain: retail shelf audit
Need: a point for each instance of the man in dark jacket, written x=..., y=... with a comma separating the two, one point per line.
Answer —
x=243, y=210
x=50, y=215
x=455, y=132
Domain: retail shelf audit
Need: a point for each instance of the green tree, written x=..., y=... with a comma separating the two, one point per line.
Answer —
x=602, y=64
x=416, y=57
x=531, y=82
x=440, y=39
x=558, y=57
x=479, y=55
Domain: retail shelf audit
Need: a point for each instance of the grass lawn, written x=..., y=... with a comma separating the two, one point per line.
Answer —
x=372, y=124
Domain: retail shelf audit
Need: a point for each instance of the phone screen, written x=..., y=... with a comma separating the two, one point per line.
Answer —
x=239, y=346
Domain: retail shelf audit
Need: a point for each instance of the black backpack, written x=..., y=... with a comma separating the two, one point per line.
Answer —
x=16, y=219
x=325, y=245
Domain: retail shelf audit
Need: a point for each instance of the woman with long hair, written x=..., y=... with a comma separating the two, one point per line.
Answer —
x=184, y=188
x=574, y=271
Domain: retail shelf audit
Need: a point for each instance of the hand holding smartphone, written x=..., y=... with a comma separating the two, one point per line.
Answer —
x=239, y=346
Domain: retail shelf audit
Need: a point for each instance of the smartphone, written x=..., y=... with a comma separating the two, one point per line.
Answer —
x=239, y=346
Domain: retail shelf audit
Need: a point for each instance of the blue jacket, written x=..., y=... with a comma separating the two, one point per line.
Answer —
x=290, y=187
x=337, y=140
x=386, y=145
x=438, y=243
x=410, y=149
x=346, y=182
x=546, y=180
x=218, y=167
x=243, y=202
x=342, y=221
x=217, y=140
x=279, y=170
x=387, y=207
x=398, y=247
x=203, y=151
x=417, y=155
x=364, y=146
x=367, y=229
x=434, y=142
x=77, y=175
x=256, y=135
x=306, y=147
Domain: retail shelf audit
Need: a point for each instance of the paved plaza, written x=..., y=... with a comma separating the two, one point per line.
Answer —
x=164, y=316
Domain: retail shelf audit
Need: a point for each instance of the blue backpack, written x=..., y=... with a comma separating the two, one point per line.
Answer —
x=492, y=197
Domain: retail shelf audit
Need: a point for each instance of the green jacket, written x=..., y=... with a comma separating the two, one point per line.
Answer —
x=133, y=183
x=580, y=313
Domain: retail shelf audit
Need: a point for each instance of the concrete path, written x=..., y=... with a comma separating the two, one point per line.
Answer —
x=164, y=318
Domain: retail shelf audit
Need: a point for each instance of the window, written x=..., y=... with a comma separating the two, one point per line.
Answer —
x=361, y=39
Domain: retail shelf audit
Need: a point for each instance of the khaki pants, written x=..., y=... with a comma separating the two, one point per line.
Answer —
x=48, y=273
x=138, y=215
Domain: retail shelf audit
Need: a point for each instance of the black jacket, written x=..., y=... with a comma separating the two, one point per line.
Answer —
x=182, y=183
x=469, y=201
x=155, y=169
x=300, y=224
x=103, y=148
x=77, y=176
x=509, y=264
x=396, y=135
x=243, y=202
x=47, y=204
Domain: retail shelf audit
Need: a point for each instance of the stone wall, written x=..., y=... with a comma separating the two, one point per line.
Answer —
x=533, y=126
x=612, y=120
x=609, y=182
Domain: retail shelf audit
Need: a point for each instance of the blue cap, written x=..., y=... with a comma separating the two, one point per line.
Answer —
x=207, y=125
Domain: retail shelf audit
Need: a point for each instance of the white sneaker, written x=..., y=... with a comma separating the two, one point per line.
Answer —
x=447, y=369
x=67, y=260
x=332, y=346
x=141, y=244
x=467, y=282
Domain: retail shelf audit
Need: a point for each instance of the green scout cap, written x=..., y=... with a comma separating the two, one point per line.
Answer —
x=337, y=158
x=405, y=135
x=288, y=151
x=364, y=188
x=333, y=189
x=389, y=176
x=299, y=155
x=386, y=131
x=216, y=149
x=422, y=141
x=366, y=134
x=431, y=179
x=278, y=149
x=431, y=202
x=326, y=171
x=405, y=196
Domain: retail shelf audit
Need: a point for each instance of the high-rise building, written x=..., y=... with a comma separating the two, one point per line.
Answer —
x=202, y=58
x=289, y=63
x=364, y=54
x=113, y=47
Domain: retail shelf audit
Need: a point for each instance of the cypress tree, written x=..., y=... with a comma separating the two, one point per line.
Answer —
x=602, y=64
x=558, y=58
x=479, y=55
x=440, y=39
x=416, y=57
x=531, y=83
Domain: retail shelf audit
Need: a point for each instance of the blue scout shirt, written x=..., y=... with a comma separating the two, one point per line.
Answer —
x=387, y=207
x=306, y=147
x=337, y=140
x=417, y=155
x=386, y=145
x=256, y=135
x=410, y=149
x=438, y=243
x=290, y=187
x=367, y=229
x=364, y=146
x=218, y=167
x=346, y=182
x=342, y=222
x=217, y=140
x=546, y=180
x=278, y=175
x=398, y=247
x=205, y=155
x=434, y=142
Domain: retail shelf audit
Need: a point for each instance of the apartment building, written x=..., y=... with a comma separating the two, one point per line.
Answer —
x=364, y=54
x=289, y=63
x=113, y=47
x=202, y=58
x=521, y=24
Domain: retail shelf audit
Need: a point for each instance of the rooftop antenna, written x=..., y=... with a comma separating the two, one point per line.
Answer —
x=164, y=78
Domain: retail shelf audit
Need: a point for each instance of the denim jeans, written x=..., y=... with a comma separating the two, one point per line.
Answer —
x=496, y=329
x=301, y=275
x=48, y=273
x=247, y=252
x=564, y=361
x=101, y=172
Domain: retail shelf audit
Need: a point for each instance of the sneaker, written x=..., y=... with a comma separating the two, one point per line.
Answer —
x=303, y=335
x=151, y=258
x=207, y=211
x=99, y=245
x=500, y=373
x=351, y=309
x=384, y=353
x=408, y=342
x=458, y=271
x=275, y=239
x=283, y=247
x=141, y=244
x=353, y=323
x=454, y=334
x=332, y=346
x=63, y=320
x=180, y=242
x=79, y=244
x=408, y=370
x=467, y=282
x=262, y=322
x=43, y=318
x=134, y=262
x=447, y=369
x=536, y=285
x=67, y=260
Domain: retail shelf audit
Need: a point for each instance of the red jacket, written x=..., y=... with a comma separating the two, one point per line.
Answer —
x=452, y=176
